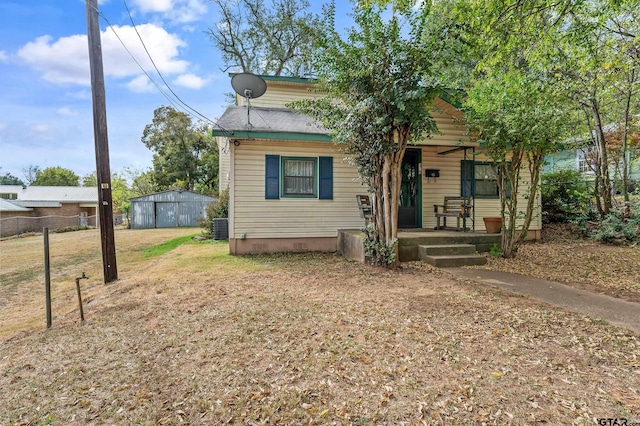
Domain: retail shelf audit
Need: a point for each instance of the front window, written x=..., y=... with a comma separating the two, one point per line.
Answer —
x=585, y=160
x=479, y=180
x=486, y=184
x=299, y=177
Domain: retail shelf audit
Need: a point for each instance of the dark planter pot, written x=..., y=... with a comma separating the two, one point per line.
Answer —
x=493, y=225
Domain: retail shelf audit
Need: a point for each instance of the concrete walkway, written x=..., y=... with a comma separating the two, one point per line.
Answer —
x=616, y=311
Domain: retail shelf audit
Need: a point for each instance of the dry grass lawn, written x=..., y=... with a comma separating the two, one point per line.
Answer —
x=195, y=336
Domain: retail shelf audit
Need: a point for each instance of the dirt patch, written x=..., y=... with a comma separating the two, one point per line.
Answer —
x=314, y=339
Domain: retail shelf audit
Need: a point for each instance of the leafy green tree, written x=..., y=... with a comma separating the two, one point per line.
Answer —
x=376, y=102
x=519, y=119
x=183, y=152
x=56, y=176
x=9, y=179
x=565, y=196
x=141, y=181
x=90, y=180
x=120, y=192
x=275, y=40
x=587, y=48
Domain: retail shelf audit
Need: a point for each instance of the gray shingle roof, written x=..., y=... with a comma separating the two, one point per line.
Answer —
x=269, y=120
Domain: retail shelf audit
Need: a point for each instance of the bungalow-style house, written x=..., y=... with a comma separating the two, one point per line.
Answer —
x=35, y=207
x=291, y=189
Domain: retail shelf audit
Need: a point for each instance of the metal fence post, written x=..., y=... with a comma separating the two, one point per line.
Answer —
x=47, y=276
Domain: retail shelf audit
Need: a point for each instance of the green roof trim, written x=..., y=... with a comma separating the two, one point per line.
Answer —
x=288, y=136
x=449, y=96
x=281, y=78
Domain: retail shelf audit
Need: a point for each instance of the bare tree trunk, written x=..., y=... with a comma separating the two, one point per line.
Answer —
x=396, y=170
x=535, y=160
x=378, y=217
x=603, y=160
x=386, y=172
x=396, y=181
x=594, y=166
x=625, y=146
x=511, y=172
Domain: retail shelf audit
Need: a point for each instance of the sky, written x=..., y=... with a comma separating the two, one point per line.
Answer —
x=46, y=113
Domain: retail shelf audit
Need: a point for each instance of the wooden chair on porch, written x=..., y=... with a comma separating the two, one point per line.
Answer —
x=365, y=207
x=458, y=207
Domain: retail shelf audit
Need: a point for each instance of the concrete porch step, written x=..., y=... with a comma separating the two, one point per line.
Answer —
x=444, y=249
x=455, y=260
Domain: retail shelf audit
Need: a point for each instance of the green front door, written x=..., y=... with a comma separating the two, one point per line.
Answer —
x=410, y=190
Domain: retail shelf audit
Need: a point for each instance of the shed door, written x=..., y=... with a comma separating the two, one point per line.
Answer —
x=166, y=215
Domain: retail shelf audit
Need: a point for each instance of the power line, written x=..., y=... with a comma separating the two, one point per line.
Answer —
x=133, y=24
x=163, y=92
x=167, y=97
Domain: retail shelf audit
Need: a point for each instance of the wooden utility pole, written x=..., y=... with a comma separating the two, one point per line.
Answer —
x=103, y=172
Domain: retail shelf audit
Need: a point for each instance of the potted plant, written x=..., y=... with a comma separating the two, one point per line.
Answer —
x=492, y=224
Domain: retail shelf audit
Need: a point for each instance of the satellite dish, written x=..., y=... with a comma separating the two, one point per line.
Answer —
x=249, y=86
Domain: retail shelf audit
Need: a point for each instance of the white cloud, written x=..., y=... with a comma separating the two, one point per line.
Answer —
x=161, y=45
x=66, y=60
x=62, y=61
x=154, y=5
x=3, y=56
x=141, y=84
x=190, y=81
x=42, y=129
x=180, y=11
x=83, y=94
x=67, y=111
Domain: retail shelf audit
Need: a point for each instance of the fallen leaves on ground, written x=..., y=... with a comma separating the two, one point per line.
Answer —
x=315, y=339
x=560, y=256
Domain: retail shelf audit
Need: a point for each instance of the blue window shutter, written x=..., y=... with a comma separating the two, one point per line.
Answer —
x=325, y=175
x=272, y=177
x=467, y=174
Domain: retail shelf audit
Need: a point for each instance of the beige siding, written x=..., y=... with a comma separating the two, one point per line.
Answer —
x=279, y=95
x=486, y=207
x=256, y=217
x=452, y=131
x=449, y=184
x=435, y=189
x=224, y=163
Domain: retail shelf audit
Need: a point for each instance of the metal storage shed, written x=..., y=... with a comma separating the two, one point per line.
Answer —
x=168, y=209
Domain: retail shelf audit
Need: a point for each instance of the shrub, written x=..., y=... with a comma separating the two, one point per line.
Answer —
x=375, y=252
x=565, y=196
x=619, y=228
x=496, y=251
x=216, y=209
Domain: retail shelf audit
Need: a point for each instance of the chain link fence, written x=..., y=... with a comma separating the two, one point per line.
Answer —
x=23, y=224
